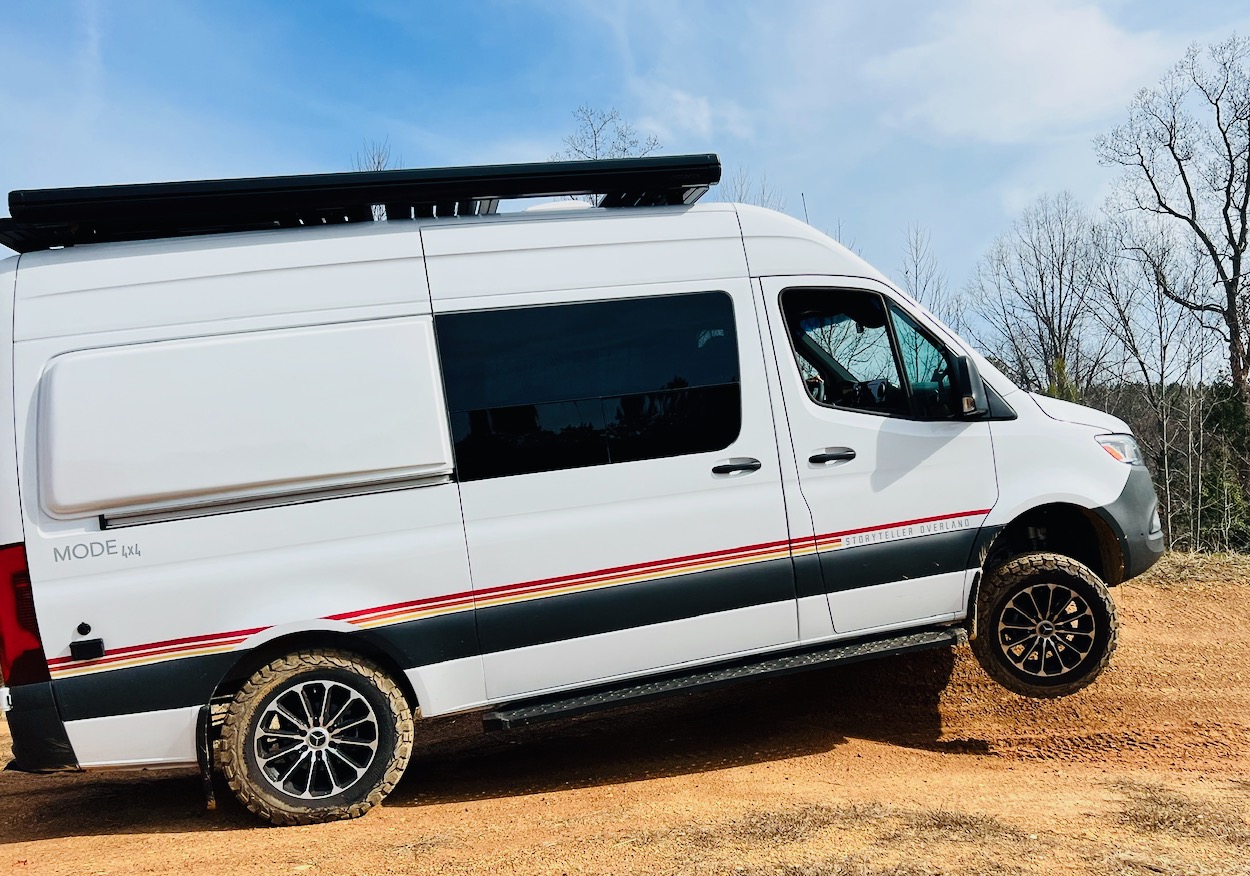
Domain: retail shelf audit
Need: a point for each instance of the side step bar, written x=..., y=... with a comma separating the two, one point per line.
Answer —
x=519, y=714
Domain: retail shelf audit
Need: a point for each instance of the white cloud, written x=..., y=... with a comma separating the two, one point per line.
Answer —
x=675, y=114
x=1007, y=73
x=1065, y=164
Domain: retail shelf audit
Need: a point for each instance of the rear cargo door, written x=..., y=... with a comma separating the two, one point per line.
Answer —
x=10, y=510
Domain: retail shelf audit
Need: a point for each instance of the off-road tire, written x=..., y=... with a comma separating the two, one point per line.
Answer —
x=1081, y=634
x=236, y=751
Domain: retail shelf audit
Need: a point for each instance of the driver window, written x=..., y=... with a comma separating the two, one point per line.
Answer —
x=843, y=350
x=927, y=368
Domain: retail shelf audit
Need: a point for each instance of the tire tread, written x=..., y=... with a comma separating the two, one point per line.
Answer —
x=230, y=749
x=1007, y=576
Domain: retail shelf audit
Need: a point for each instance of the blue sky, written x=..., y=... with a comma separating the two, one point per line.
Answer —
x=951, y=114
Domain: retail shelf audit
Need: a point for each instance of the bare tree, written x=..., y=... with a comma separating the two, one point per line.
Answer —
x=1033, y=291
x=604, y=134
x=375, y=155
x=1144, y=267
x=1185, y=151
x=923, y=279
x=842, y=234
x=743, y=188
x=1140, y=271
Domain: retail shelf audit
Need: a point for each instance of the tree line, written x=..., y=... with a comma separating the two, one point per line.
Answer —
x=1139, y=307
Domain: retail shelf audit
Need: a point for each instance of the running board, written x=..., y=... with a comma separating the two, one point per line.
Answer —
x=519, y=714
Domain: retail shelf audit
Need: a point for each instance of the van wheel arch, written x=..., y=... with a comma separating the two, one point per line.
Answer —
x=344, y=643
x=1068, y=530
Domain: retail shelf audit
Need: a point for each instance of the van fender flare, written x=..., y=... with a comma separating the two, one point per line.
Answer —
x=271, y=642
x=1109, y=535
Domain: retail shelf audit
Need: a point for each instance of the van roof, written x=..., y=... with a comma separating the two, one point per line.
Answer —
x=375, y=268
x=46, y=218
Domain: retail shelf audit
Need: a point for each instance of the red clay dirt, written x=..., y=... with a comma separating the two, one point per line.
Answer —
x=912, y=765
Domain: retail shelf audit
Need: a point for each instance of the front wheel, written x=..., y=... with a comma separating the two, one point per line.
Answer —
x=1046, y=625
x=315, y=736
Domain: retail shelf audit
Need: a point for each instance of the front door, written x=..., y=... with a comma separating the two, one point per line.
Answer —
x=896, y=480
x=620, y=482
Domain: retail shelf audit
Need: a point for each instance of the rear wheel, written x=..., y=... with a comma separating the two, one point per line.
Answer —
x=315, y=736
x=1046, y=625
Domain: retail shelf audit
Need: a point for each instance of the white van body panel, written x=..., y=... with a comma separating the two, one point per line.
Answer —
x=364, y=561
x=148, y=740
x=10, y=509
x=197, y=286
x=581, y=256
x=910, y=484
x=450, y=686
x=780, y=245
x=916, y=601
x=212, y=586
x=162, y=425
x=1068, y=412
x=545, y=532
x=614, y=656
x=1051, y=462
x=815, y=621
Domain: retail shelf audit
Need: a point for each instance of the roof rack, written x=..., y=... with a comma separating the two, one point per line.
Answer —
x=46, y=218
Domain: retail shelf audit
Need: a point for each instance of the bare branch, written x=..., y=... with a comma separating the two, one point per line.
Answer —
x=604, y=134
x=1185, y=152
x=742, y=188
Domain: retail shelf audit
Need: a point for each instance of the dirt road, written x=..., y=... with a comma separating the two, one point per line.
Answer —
x=907, y=766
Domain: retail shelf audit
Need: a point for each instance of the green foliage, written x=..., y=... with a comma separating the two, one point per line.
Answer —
x=1195, y=441
x=1061, y=385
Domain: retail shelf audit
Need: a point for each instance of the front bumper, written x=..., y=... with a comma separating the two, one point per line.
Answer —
x=1134, y=518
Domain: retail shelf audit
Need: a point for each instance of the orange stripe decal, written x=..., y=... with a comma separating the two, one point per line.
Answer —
x=401, y=612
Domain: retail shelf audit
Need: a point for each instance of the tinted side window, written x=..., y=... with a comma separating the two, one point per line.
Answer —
x=927, y=367
x=564, y=386
x=842, y=348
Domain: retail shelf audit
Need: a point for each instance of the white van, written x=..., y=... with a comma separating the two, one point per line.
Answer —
x=278, y=479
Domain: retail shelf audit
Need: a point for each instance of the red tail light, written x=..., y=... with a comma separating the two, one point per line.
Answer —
x=22, y=660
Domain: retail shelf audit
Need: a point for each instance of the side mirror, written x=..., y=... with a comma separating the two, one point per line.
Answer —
x=973, y=401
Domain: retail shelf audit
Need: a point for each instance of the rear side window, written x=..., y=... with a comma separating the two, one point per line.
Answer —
x=565, y=386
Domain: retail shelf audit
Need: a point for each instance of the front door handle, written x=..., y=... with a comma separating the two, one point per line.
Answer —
x=738, y=465
x=831, y=454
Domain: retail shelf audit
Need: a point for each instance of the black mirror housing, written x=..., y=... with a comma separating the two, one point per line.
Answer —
x=973, y=401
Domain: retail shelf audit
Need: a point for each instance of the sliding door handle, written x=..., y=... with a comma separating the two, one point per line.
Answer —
x=831, y=454
x=738, y=465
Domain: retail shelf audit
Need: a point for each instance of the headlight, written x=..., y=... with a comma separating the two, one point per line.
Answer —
x=1123, y=447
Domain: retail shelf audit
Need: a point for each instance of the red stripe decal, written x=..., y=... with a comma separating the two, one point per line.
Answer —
x=545, y=583
x=524, y=588
x=636, y=567
x=428, y=602
x=114, y=657
x=918, y=520
x=168, y=644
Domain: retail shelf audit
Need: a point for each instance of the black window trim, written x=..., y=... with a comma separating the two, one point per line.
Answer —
x=895, y=350
x=945, y=350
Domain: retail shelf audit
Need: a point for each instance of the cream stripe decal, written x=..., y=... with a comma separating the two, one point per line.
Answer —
x=141, y=655
x=901, y=530
x=403, y=612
